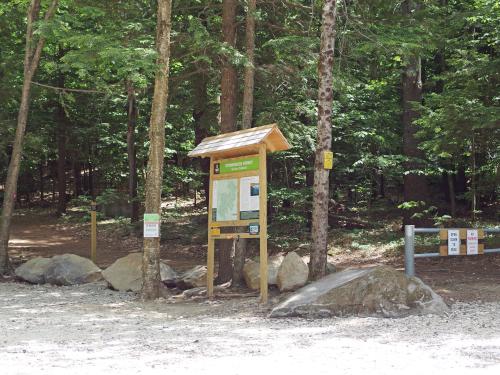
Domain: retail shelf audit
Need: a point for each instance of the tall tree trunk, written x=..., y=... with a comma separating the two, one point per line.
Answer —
x=40, y=174
x=228, y=117
x=31, y=60
x=132, y=158
x=202, y=123
x=248, y=95
x=415, y=183
x=451, y=190
x=62, y=127
x=77, y=177
x=154, y=176
x=324, y=142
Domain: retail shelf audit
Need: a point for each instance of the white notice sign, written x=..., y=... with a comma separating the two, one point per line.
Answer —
x=472, y=242
x=151, y=225
x=453, y=242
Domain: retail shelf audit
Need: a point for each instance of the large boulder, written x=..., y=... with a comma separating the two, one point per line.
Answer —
x=71, y=269
x=192, y=278
x=125, y=274
x=251, y=272
x=293, y=273
x=33, y=270
x=376, y=291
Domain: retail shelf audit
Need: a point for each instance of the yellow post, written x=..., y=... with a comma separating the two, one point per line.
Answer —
x=211, y=241
x=263, y=222
x=93, y=231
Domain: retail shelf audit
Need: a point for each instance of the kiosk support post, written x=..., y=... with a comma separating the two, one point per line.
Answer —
x=263, y=222
x=211, y=241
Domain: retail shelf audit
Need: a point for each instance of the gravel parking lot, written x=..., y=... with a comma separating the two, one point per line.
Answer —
x=89, y=329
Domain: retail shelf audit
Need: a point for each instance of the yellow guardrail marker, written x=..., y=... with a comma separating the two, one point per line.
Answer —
x=93, y=231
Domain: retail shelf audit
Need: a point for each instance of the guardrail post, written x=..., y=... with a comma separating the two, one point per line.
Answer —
x=410, y=250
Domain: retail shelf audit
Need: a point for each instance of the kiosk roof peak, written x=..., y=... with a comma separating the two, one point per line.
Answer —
x=242, y=142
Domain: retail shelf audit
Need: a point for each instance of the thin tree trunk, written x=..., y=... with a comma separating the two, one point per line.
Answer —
x=40, y=173
x=31, y=60
x=132, y=158
x=451, y=190
x=154, y=176
x=324, y=142
x=202, y=124
x=77, y=176
x=228, y=117
x=415, y=184
x=61, y=151
x=248, y=95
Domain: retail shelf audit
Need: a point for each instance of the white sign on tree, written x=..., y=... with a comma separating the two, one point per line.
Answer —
x=453, y=242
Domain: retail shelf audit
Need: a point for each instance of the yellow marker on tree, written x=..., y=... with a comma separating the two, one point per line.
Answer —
x=327, y=159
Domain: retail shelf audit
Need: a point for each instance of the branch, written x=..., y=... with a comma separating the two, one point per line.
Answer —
x=64, y=89
x=41, y=41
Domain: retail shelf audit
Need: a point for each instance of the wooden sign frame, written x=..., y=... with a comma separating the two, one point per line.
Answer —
x=443, y=238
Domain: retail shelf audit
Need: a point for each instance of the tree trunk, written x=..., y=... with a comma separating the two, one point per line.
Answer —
x=228, y=118
x=154, y=175
x=31, y=60
x=202, y=124
x=248, y=95
x=40, y=173
x=415, y=183
x=451, y=190
x=61, y=151
x=77, y=176
x=132, y=159
x=324, y=142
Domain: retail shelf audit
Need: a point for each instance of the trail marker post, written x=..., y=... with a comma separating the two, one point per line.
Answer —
x=238, y=190
x=93, y=231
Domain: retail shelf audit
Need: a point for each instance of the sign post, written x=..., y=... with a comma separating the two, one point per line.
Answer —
x=93, y=231
x=237, y=205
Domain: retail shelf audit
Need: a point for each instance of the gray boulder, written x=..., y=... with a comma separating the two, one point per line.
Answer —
x=33, y=270
x=376, y=291
x=71, y=269
x=251, y=272
x=125, y=274
x=292, y=273
x=192, y=278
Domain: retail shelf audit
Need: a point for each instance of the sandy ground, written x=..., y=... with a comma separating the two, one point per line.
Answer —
x=92, y=330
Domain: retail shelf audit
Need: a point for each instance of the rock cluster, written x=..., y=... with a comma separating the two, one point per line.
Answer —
x=66, y=269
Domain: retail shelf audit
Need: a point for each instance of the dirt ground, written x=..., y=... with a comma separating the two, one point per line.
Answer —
x=40, y=234
x=89, y=328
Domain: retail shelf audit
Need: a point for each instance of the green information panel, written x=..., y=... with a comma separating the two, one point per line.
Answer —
x=237, y=165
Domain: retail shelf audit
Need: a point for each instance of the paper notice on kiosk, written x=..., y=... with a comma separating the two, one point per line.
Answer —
x=453, y=242
x=249, y=197
x=472, y=242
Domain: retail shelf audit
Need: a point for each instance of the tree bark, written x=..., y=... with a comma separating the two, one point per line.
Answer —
x=248, y=95
x=77, y=176
x=132, y=159
x=202, y=123
x=61, y=160
x=324, y=142
x=228, y=117
x=154, y=175
x=31, y=60
x=415, y=183
x=451, y=190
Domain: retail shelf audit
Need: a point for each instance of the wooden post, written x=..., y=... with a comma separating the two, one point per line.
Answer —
x=211, y=241
x=263, y=222
x=93, y=232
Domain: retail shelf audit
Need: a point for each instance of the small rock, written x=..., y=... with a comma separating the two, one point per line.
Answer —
x=251, y=272
x=192, y=278
x=293, y=273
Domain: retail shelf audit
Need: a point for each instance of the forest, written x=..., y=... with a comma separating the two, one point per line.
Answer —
x=412, y=96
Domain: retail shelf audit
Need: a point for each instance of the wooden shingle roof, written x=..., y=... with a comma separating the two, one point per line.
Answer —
x=243, y=142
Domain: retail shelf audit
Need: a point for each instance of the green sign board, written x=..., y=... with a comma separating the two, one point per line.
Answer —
x=151, y=217
x=237, y=165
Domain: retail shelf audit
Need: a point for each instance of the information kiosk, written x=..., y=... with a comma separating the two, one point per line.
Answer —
x=238, y=190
